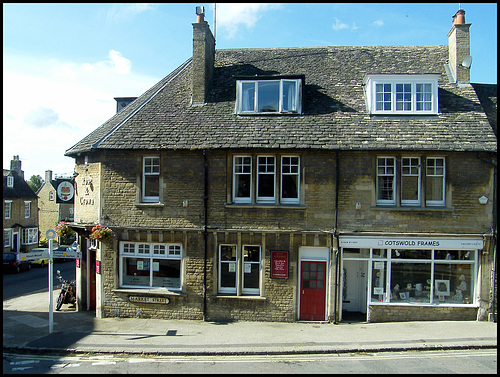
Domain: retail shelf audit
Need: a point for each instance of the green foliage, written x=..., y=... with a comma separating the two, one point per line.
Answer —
x=35, y=182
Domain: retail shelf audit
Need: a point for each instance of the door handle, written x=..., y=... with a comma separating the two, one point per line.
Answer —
x=302, y=291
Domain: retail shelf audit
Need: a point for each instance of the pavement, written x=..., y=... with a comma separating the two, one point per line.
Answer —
x=26, y=329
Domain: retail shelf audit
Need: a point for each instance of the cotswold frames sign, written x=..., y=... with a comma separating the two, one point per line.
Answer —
x=411, y=243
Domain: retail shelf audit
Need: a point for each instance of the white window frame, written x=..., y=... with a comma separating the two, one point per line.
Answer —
x=442, y=202
x=282, y=109
x=266, y=166
x=27, y=209
x=51, y=195
x=149, y=170
x=372, y=80
x=239, y=267
x=292, y=172
x=7, y=242
x=151, y=251
x=386, y=174
x=236, y=173
x=8, y=209
x=29, y=236
x=250, y=291
x=411, y=202
x=10, y=181
x=226, y=289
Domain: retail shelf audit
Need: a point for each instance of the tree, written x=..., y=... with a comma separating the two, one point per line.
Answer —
x=35, y=182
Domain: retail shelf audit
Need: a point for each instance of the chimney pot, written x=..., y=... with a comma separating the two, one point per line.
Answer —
x=200, y=14
x=459, y=17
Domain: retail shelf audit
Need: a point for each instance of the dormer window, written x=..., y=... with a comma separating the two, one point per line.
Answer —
x=10, y=181
x=269, y=96
x=388, y=94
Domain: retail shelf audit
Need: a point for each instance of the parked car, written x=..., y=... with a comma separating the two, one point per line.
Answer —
x=42, y=262
x=11, y=263
x=62, y=249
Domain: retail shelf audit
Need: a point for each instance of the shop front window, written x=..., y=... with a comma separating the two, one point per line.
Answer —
x=406, y=276
x=410, y=282
x=379, y=281
x=150, y=265
x=453, y=283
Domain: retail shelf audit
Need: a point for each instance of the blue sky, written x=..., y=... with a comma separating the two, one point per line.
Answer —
x=64, y=63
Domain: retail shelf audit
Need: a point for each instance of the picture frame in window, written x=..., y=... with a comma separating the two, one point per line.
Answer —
x=442, y=287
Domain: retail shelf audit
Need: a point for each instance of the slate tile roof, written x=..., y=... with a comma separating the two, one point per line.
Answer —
x=334, y=110
x=21, y=189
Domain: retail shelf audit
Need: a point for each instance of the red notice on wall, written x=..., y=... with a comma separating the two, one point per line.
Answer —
x=97, y=266
x=279, y=264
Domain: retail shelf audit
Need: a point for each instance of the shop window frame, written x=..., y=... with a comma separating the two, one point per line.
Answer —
x=147, y=250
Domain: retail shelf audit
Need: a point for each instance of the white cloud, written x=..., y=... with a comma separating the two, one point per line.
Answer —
x=49, y=105
x=231, y=16
x=378, y=23
x=338, y=25
x=123, y=11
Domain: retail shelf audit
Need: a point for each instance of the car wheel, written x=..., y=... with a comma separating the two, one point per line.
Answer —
x=42, y=264
x=17, y=269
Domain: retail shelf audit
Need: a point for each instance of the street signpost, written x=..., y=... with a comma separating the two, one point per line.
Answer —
x=50, y=253
x=51, y=234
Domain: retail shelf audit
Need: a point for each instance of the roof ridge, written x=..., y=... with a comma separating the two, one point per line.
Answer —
x=173, y=75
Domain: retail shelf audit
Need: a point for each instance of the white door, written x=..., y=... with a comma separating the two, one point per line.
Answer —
x=354, y=286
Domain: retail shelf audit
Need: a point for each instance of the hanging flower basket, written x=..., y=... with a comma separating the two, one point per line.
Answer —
x=101, y=233
x=63, y=229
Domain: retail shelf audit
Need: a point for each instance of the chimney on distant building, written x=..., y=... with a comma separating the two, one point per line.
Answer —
x=203, y=58
x=15, y=165
x=48, y=176
x=459, y=59
x=122, y=102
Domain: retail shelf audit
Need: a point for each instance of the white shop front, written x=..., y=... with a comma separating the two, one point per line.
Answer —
x=399, y=272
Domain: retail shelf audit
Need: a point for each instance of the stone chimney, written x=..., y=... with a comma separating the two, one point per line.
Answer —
x=203, y=58
x=48, y=176
x=15, y=165
x=459, y=50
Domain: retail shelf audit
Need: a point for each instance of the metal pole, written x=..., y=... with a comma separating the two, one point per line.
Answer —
x=51, y=285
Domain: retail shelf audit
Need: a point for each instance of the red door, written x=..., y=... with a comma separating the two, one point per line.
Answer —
x=312, y=291
x=92, y=280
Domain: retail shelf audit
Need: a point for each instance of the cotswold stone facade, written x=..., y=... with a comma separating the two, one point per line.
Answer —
x=282, y=185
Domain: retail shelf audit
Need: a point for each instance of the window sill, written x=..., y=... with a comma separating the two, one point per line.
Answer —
x=245, y=297
x=410, y=208
x=146, y=204
x=265, y=206
x=149, y=291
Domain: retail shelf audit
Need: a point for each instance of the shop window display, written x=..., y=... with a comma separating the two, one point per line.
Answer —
x=410, y=282
x=407, y=276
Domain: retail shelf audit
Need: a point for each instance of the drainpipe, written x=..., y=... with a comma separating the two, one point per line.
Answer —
x=335, y=234
x=205, y=232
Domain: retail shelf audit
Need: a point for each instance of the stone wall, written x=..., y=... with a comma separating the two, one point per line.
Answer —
x=395, y=313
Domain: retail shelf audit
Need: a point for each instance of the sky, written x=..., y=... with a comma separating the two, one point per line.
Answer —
x=63, y=64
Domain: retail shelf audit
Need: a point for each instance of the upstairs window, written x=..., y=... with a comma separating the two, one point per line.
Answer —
x=435, y=182
x=276, y=179
x=401, y=94
x=27, y=210
x=415, y=180
x=151, y=179
x=10, y=181
x=269, y=96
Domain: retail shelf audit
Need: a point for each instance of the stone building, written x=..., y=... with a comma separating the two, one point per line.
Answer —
x=20, y=211
x=55, y=202
x=287, y=184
